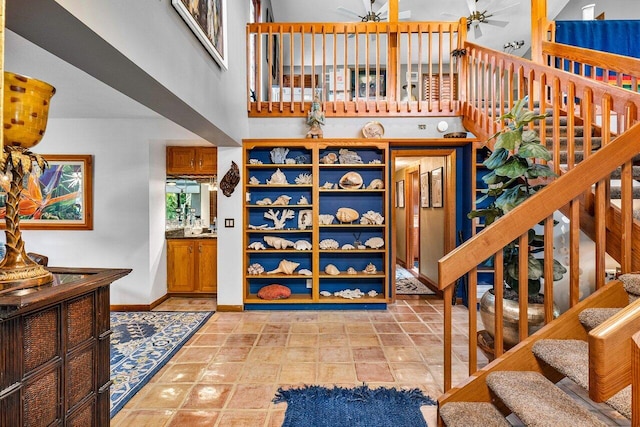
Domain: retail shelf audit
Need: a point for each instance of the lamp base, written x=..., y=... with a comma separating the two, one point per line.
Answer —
x=23, y=277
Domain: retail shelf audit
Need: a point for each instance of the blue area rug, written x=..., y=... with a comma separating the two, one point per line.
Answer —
x=352, y=407
x=141, y=343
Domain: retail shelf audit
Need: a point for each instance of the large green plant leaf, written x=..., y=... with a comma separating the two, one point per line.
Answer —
x=513, y=168
x=538, y=170
x=497, y=158
x=533, y=150
x=511, y=198
x=530, y=135
x=509, y=140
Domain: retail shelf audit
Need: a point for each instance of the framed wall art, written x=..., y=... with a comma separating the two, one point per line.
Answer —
x=400, y=194
x=58, y=198
x=425, y=196
x=208, y=21
x=437, y=188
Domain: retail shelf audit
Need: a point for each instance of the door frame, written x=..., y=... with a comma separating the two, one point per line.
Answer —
x=449, y=206
x=409, y=188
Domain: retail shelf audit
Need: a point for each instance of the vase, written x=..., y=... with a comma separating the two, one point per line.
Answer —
x=511, y=311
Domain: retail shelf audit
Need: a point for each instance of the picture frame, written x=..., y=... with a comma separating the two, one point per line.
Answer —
x=371, y=85
x=425, y=196
x=400, y=194
x=58, y=198
x=437, y=188
x=207, y=19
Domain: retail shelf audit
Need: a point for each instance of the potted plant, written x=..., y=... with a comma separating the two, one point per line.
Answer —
x=517, y=171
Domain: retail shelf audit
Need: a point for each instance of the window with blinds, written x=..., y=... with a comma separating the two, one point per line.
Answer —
x=434, y=89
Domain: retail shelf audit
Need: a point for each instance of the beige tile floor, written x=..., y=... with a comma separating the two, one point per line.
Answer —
x=228, y=373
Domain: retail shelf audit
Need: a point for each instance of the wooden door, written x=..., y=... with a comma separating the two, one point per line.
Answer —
x=181, y=160
x=207, y=265
x=207, y=161
x=181, y=265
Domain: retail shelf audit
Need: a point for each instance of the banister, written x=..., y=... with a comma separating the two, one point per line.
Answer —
x=538, y=207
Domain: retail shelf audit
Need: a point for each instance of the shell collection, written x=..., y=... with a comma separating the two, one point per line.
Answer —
x=347, y=215
x=376, y=184
x=374, y=242
x=279, y=217
x=371, y=218
x=325, y=219
x=279, y=155
x=305, y=272
x=331, y=270
x=282, y=200
x=347, y=247
x=349, y=293
x=302, y=201
x=329, y=158
x=370, y=269
x=348, y=157
x=264, y=202
x=285, y=267
x=278, y=178
x=302, y=245
x=278, y=242
x=351, y=181
x=327, y=185
x=257, y=246
x=254, y=181
x=329, y=244
x=255, y=162
x=304, y=178
x=351, y=270
x=255, y=269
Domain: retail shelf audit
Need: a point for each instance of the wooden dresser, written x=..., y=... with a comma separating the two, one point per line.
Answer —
x=54, y=350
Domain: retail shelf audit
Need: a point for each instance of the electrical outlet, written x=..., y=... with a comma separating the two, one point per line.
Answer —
x=229, y=223
x=422, y=127
x=309, y=283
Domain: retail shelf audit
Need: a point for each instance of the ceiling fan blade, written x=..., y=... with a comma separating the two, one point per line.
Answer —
x=471, y=4
x=504, y=9
x=384, y=8
x=348, y=13
x=496, y=22
x=477, y=31
x=404, y=15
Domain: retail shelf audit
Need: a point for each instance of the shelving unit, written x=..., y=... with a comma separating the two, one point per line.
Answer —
x=485, y=273
x=310, y=291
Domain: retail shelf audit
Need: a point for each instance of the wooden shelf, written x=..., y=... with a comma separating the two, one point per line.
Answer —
x=278, y=165
x=359, y=190
x=279, y=206
x=279, y=186
x=360, y=275
x=352, y=165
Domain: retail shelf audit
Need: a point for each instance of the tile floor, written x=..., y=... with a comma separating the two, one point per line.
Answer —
x=227, y=374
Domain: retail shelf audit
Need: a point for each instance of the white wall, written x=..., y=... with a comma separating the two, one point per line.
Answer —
x=128, y=202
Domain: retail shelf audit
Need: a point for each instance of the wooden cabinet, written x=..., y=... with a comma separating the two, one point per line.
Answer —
x=296, y=200
x=54, y=350
x=192, y=265
x=192, y=160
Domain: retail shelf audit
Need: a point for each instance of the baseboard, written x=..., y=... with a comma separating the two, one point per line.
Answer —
x=140, y=307
x=229, y=308
x=401, y=263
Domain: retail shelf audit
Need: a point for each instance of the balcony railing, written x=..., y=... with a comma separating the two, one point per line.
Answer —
x=390, y=69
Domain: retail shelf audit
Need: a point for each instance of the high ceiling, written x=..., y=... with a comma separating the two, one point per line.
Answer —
x=518, y=18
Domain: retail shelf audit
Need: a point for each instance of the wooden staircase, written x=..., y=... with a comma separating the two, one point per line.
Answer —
x=523, y=380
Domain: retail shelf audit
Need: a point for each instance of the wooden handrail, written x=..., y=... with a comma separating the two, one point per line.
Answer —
x=609, y=353
x=635, y=385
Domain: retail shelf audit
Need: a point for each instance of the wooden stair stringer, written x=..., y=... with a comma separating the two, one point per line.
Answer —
x=521, y=357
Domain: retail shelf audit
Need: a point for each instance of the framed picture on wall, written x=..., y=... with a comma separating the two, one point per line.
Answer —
x=437, y=188
x=400, y=194
x=425, y=197
x=208, y=21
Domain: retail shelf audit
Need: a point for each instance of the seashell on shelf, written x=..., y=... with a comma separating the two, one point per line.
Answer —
x=278, y=155
x=348, y=157
x=327, y=185
x=329, y=158
x=361, y=247
x=285, y=267
x=282, y=200
x=372, y=293
x=305, y=272
x=278, y=178
x=325, y=219
x=302, y=159
x=255, y=269
x=257, y=246
x=264, y=202
x=331, y=270
x=371, y=218
x=254, y=181
x=349, y=293
x=374, y=242
x=304, y=178
x=325, y=293
x=290, y=161
x=255, y=162
x=348, y=247
x=329, y=244
x=351, y=270
x=376, y=184
x=370, y=269
x=303, y=201
x=347, y=215
x=302, y=245
x=278, y=242
x=351, y=181
x=375, y=162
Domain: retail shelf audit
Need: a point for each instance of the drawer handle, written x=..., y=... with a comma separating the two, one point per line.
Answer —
x=190, y=249
x=200, y=248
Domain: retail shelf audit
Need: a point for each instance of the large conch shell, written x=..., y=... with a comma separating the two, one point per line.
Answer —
x=347, y=215
x=351, y=181
x=278, y=242
x=277, y=178
x=285, y=267
x=331, y=270
x=376, y=184
x=282, y=200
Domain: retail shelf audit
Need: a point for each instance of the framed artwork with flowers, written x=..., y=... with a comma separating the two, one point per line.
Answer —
x=57, y=198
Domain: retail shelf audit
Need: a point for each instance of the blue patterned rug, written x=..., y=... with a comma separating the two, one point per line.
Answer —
x=141, y=343
x=352, y=407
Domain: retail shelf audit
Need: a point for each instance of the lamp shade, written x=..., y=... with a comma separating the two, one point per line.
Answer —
x=26, y=109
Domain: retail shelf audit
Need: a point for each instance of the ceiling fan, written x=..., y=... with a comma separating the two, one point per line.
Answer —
x=373, y=16
x=477, y=16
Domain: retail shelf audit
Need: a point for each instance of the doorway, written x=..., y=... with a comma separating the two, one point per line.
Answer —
x=413, y=221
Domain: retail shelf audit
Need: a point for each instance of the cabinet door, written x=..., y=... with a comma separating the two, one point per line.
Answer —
x=207, y=161
x=207, y=265
x=180, y=265
x=181, y=160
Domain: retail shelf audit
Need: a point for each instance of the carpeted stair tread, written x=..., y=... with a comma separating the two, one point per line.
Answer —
x=571, y=359
x=472, y=414
x=617, y=174
x=616, y=192
x=592, y=317
x=525, y=393
x=631, y=283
